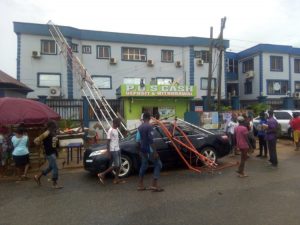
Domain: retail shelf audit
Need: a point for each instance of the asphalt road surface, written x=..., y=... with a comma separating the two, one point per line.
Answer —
x=269, y=196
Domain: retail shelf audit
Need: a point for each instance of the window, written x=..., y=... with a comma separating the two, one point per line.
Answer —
x=49, y=79
x=48, y=47
x=204, y=83
x=158, y=133
x=232, y=66
x=103, y=52
x=102, y=82
x=86, y=49
x=248, y=65
x=74, y=47
x=134, y=54
x=276, y=63
x=248, y=87
x=167, y=56
x=297, y=86
x=277, y=87
x=297, y=66
x=282, y=115
x=133, y=80
x=164, y=80
x=204, y=55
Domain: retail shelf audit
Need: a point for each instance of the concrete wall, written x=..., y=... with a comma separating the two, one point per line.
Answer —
x=30, y=67
x=255, y=80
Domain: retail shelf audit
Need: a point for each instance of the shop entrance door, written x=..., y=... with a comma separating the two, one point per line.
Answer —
x=152, y=110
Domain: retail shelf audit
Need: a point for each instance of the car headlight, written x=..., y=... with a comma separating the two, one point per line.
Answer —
x=99, y=152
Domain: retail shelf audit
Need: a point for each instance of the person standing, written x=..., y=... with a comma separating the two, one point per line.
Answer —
x=50, y=143
x=261, y=134
x=295, y=125
x=21, y=153
x=6, y=147
x=241, y=136
x=229, y=130
x=147, y=151
x=271, y=138
x=114, y=153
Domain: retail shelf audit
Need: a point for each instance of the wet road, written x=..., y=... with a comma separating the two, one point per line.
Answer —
x=268, y=197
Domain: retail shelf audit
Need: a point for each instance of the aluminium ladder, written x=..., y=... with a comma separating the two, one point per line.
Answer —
x=85, y=81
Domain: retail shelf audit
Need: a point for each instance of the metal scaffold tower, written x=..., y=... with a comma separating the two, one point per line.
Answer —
x=96, y=100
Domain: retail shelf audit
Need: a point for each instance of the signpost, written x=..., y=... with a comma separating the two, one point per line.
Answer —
x=132, y=90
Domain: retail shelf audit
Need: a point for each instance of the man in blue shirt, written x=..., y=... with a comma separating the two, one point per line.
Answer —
x=144, y=138
x=271, y=138
x=261, y=134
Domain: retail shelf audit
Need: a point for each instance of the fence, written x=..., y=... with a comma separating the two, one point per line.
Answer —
x=273, y=103
x=73, y=109
x=66, y=108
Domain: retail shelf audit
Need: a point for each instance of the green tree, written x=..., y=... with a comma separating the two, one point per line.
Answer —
x=258, y=107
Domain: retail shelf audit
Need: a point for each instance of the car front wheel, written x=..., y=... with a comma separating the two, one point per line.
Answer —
x=126, y=166
x=210, y=153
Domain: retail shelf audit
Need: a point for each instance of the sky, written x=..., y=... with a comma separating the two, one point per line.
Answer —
x=248, y=23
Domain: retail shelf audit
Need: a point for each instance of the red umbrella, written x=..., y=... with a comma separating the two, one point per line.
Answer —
x=20, y=110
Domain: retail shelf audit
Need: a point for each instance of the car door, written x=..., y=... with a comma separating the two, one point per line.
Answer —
x=196, y=137
x=284, y=119
x=164, y=146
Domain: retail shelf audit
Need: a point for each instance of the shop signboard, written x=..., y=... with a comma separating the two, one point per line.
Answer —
x=132, y=90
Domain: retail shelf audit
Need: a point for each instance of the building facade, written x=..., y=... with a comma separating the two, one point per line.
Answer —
x=112, y=59
x=264, y=70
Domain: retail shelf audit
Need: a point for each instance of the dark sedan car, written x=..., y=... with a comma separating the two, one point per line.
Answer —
x=212, y=145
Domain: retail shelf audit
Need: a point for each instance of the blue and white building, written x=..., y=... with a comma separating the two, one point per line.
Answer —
x=112, y=59
x=263, y=70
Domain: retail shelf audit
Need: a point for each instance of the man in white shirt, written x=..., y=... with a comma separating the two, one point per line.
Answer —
x=229, y=129
x=114, y=153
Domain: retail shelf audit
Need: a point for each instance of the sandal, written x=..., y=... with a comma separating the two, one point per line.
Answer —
x=156, y=189
x=242, y=175
x=101, y=178
x=57, y=186
x=37, y=180
x=141, y=189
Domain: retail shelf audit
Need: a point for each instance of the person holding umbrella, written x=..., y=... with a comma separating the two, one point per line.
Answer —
x=50, y=142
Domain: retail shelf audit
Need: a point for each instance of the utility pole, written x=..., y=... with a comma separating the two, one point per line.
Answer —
x=221, y=51
x=209, y=71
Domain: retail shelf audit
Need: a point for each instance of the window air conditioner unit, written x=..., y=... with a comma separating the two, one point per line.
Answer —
x=178, y=64
x=112, y=61
x=54, y=91
x=36, y=54
x=200, y=62
x=150, y=62
x=249, y=74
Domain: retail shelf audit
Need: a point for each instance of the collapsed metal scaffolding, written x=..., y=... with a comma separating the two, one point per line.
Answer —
x=96, y=100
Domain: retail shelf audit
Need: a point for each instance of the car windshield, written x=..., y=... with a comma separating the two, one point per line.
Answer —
x=188, y=129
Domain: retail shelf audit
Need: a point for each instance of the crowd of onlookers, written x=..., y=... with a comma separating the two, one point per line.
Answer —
x=14, y=150
x=242, y=140
x=239, y=128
